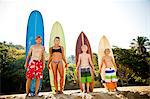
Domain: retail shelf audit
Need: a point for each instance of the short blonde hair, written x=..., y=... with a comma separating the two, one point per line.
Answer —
x=106, y=50
x=84, y=46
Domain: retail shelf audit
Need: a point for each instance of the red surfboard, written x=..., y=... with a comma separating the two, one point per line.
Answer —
x=83, y=40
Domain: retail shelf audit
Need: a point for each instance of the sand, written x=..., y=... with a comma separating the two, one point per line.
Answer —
x=134, y=92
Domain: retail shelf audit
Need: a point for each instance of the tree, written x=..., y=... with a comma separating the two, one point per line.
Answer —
x=132, y=68
x=95, y=59
x=96, y=66
x=140, y=44
x=11, y=68
x=71, y=59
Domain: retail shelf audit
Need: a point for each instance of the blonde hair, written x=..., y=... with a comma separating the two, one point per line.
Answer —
x=84, y=46
x=106, y=50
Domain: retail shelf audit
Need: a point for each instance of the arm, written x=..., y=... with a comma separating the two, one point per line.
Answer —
x=91, y=63
x=78, y=63
x=92, y=66
x=101, y=65
x=43, y=57
x=113, y=63
x=63, y=55
x=50, y=57
x=28, y=57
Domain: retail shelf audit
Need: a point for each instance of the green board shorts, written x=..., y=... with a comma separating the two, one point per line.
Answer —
x=110, y=75
x=86, y=75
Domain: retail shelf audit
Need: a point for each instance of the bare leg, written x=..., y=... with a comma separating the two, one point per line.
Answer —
x=54, y=69
x=87, y=85
x=83, y=86
x=116, y=86
x=28, y=82
x=61, y=72
x=37, y=84
x=79, y=78
x=105, y=85
x=91, y=85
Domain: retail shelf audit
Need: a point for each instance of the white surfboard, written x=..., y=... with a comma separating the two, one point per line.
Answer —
x=104, y=44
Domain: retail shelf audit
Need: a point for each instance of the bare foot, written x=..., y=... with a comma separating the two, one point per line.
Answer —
x=55, y=94
x=56, y=91
x=61, y=92
x=27, y=94
x=35, y=94
x=88, y=91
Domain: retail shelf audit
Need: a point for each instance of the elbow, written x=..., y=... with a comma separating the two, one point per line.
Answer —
x=78, y=64
x=27, y=58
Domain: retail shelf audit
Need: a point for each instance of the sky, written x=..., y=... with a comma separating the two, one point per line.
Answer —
x=119, y=20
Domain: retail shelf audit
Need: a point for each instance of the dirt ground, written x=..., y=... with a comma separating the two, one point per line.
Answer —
x=134, y=92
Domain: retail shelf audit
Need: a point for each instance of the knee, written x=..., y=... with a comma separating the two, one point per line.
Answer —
x=55, y=80
x=55, y=75
x=29, y=79
x=38, y=80
x=61, y=77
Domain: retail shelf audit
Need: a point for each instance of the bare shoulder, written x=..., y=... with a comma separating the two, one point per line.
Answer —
x=80, y=55
x=50, y=48
x=103, y=57
x=89, y=55
x=61, y=47
x=43, y=48
x=110, y=57
x=32, y=46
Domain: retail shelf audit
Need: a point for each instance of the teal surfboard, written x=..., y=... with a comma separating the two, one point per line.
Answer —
x=35, y=27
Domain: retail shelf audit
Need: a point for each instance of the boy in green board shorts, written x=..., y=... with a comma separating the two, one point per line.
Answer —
x=85, y=67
